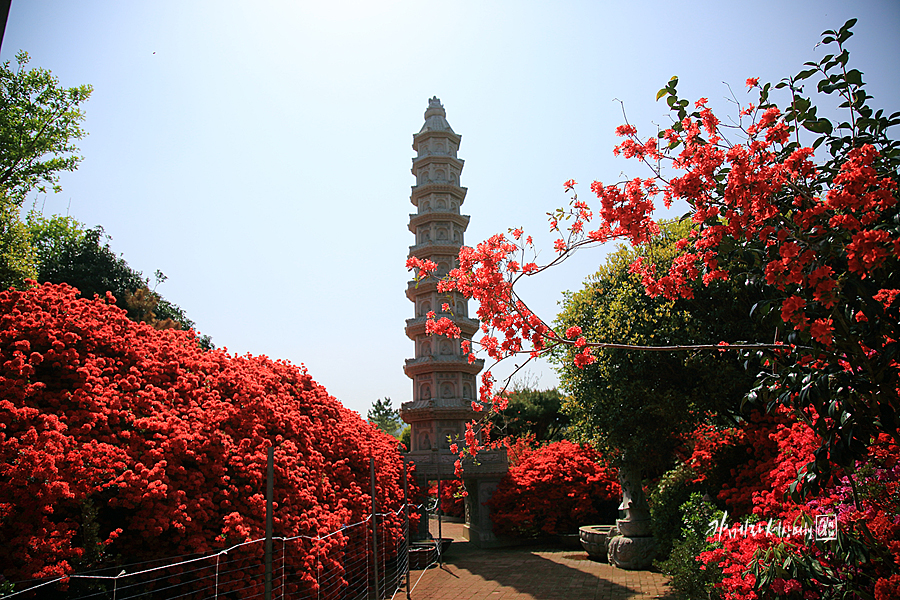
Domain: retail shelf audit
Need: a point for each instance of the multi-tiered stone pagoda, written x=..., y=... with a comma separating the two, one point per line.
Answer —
x=444, y=381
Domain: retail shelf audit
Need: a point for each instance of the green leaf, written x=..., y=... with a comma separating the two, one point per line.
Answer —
x=845, y=33
x=854, y=77
x=850, y=23
x=819, y=126
x=661, y=93
x=826, y=87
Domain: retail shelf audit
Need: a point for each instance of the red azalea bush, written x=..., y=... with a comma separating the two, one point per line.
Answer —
x=778, y=447
x=518, y=448
x=118, y=437
x=554, y=489
x=453, y=493
x=768, y=548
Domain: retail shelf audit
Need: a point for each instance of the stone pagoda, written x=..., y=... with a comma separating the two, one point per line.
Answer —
x=444, y=381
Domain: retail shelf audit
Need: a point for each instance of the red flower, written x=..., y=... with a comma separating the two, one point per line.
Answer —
x=823, y=331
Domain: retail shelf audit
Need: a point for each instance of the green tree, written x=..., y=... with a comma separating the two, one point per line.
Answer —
x=637, y=402
x=16, y=256
x=39, y=123
x=384, y=417
x=406, y=437
x=533, y=412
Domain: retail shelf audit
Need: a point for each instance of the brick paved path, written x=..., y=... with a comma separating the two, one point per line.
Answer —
x=528, y=573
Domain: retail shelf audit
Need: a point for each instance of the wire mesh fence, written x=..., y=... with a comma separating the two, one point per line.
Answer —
x=342, y=565
x=369, y=559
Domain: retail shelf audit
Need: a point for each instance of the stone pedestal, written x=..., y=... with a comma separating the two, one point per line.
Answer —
x=634, y=547
x=632, y=553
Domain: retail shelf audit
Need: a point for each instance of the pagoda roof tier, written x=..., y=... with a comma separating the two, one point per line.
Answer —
x=441, y=159
x=429, y=131
x=431, y=464
x=435, y=118
x=452, y=364
x=430, y=248
x=437, y=408
x=417, y=191
x=437, y=215
x=425, y=286
x=467, y=326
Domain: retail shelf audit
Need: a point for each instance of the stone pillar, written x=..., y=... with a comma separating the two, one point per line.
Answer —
x=479, y=528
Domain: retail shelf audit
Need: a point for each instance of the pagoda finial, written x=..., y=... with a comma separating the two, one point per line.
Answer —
x=436, y=117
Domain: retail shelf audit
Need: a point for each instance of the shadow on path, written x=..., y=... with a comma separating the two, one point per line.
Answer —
x=532, y=573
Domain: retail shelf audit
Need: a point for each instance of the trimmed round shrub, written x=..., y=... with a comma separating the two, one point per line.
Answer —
x=555, y=489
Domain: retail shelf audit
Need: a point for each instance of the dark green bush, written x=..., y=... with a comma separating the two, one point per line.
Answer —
x=689, y=580
x=672, y=491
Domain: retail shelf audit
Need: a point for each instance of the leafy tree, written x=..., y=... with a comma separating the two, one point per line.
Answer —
x=641, y=403
x=39, y=123
x=89, y=264
x=532, y=412
x=16, y=260
x=385, y=418
x=406, y=437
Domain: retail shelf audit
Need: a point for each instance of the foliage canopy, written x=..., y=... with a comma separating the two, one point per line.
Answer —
x=640, y=403
x=39, y=123
x=817, y=236
x=385, y=417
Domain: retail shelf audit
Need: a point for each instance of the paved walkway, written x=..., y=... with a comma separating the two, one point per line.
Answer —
x=528, y=573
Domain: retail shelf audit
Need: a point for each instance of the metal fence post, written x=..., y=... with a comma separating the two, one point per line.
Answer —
x=374, y=529
x=440, y=543
x=270, y=486
x=408, y=532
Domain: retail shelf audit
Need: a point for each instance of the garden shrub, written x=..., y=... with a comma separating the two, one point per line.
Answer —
x=707, y=457
x=667, y=501
x=453, y=493
x=118, y=437
x=787, y=560
x=759, y=554
x=691, y=578
x=555, y=489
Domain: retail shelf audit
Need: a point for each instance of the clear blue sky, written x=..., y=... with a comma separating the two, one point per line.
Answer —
x=258, y=153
